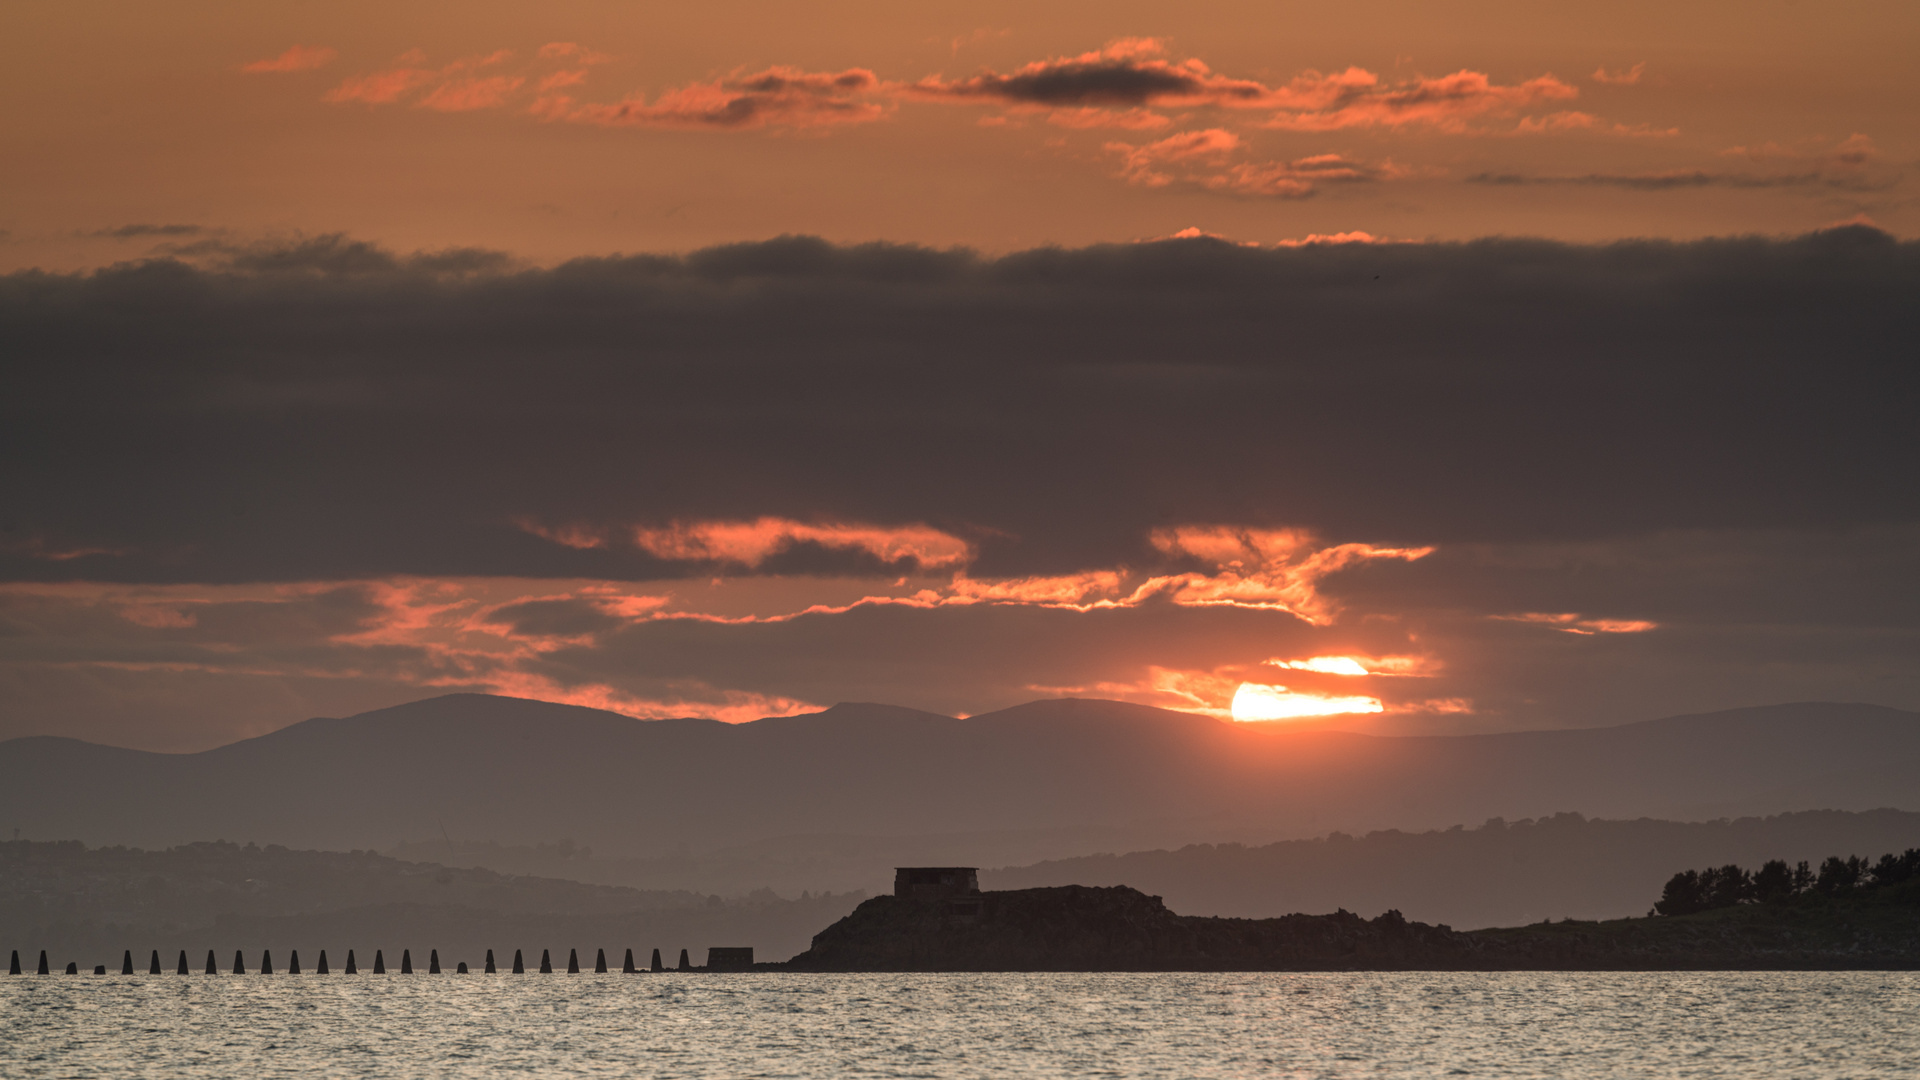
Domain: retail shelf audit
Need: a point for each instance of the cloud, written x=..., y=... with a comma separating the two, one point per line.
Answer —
x=1626, y=77
x=40, y=547
x=1686, y=179
x=141, y=232
x=1127, y=73
x=752, y=543
x=1573, y=623
x=1854, y=152
x=577, y=536
x=1277, y=569
x=466, y=95
x=979, y=35
x=1361, y=665
x=776, y=96
x=1143, y=164
x=318, y=476
x=573, y=53
x=1732, y=624
x=1298, y=178
x=296, y=58
x=1066, y=403
x=454, y=90
x=1198, y=158
x=1089, y=117
x=1131, y=76
x=1357, y=98
x=380, y=87
x=1565, y=120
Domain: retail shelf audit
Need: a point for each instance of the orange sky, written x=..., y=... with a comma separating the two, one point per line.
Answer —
x=1659, y=119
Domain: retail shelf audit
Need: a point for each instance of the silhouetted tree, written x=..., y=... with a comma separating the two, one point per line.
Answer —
x=1895, y=869
x=1802, y=877
x=1773, y=881
x=1724, y=886
x=1682, y=895
x=1838, y=875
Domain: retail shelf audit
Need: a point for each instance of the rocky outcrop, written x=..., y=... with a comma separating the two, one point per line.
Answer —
x=1082, y=928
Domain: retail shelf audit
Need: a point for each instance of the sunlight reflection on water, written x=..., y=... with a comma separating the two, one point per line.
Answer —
x=1855, y=1024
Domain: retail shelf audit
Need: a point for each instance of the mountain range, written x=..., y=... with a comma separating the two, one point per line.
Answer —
x=831, y=800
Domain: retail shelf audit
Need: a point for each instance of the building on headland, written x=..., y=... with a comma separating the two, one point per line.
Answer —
x=936, y=882
x=730, y=959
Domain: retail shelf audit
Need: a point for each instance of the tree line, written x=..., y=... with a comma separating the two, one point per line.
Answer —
x=1725, y=886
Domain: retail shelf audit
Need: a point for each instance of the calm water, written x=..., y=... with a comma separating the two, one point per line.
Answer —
x=1372, y=1025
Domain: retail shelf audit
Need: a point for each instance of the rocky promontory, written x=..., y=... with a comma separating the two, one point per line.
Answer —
x=1084, y=928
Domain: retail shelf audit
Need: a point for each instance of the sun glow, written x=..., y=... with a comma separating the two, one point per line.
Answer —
x=1325, y=665
x=1256, y=701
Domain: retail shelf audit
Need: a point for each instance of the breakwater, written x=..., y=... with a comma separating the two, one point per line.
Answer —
x=719, y=958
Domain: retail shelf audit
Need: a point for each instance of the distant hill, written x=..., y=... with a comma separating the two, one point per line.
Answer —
x=1500, y=874
x=868, y=785
x=89, y=905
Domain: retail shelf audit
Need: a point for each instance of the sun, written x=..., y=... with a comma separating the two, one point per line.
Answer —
x=1258, y=701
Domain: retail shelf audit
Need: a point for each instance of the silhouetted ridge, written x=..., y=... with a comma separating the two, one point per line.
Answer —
x=1143, y=776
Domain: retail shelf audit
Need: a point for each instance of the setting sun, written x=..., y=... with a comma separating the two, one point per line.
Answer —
x=1256, y=701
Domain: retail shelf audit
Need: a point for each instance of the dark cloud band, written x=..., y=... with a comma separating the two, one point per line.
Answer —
x=326, y=410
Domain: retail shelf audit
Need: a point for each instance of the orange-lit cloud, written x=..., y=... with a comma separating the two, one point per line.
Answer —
x=577, y=536
x=1357, y=98
x=1854, y=151
x=984, y=33
x=1073, y=590
x=560, y=80
x=1565, y=120
x=1355, y=237
x=382, y=87
x=1208, y=693
x=1198, y=158
x=454, y=87
x=1133, y=74
x=297, y=58
x=1089, y=117
x=1573, y=623
x=465, y=95
x=1298, y=178
x=1275, y=569
x=1129, y=85
x=781, y=96
x=1852, y=165
x=1361, y=665
x=1127, y=73
x=573, y=53
x=750, y=543
x=727, y=706
x=1143, y=164
x=1627, y=77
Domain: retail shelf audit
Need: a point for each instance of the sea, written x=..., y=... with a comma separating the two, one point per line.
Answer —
x=1529, y=1024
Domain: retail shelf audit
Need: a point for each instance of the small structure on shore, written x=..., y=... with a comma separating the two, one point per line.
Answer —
x=730, y=959
x=935, y=882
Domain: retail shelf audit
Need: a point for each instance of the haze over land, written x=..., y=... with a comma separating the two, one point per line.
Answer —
x=831, y=802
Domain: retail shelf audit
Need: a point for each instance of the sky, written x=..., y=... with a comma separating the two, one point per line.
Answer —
x=1401, y=367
